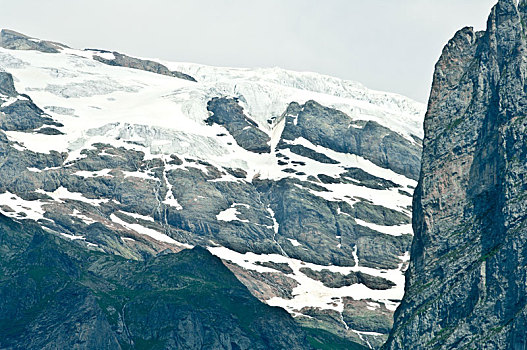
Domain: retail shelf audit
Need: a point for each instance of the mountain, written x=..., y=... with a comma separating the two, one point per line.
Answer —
x=466, y=285
x=58, y=295
x=301, y=183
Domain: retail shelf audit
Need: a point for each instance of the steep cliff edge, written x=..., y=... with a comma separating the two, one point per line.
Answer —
x=466, y=285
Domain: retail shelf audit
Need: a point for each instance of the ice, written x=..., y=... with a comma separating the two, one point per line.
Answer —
x=165, y=115
x=160, y=115
x=267, y=92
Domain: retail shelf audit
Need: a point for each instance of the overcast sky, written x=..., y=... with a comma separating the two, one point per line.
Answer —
x=389, y=45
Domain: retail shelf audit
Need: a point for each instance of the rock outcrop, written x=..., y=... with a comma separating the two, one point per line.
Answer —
x=12, y=40
x=19, y=113
x=466, y=286
x=228, y=113
x=121, y=60
x=333, y=129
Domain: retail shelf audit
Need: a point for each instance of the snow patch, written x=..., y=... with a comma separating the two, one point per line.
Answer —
x=29, y=209
x=158, y=236
x=230, y=214
x=312, y=293
x=63, y=193
x=395, y=230
x=294, y=242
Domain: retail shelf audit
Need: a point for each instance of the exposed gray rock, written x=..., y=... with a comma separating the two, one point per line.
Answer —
x=7, y=85
x=309, y=153
x=282, y=267
x=121, y=60
x=330, y=128
x=12, y=40
x=109, y=196
x=21, y=114
x=466, y=284
x=338, y=280
x=367, y=316
x=362, y=178
x=228, y=113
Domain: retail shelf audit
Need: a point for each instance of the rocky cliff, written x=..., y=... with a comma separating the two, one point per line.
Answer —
x=466, y=286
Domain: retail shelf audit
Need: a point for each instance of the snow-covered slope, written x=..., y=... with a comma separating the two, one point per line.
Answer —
x=93, y=100
x=136, y=155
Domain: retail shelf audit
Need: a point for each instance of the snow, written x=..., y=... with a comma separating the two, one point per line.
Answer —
x=63, y=193
x=353, y=160
x=164, y=115
x=160, y=115
x=230, y=214
x=169, y=197
x=87, y=220
x=139, y=175
x=32, y=209
x=72, y=237
x=267, y=92
x=294, y=242
x=88, y=174
x=18, y=147
x=138, y=216
x=9, y=102
x=395, y=230
x=106, y=55
x=158, y=236
x=312, y=293
x=276, y=226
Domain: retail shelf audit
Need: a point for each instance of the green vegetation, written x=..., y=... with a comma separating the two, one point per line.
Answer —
x=454, y=124
x=491, y=253
x=51, y=286
x=324, y=340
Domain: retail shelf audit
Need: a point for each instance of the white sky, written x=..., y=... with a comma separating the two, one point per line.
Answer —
x=389, y=45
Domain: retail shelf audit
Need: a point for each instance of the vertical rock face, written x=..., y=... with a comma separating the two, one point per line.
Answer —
x=466, y=285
